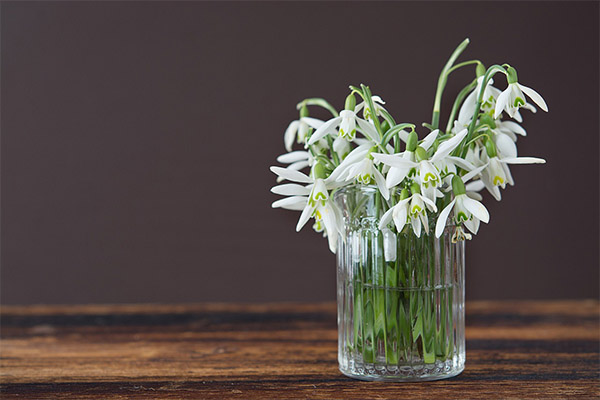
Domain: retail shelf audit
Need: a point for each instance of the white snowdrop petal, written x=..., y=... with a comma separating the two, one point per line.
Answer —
x=291, y=175
x=293, y=156
x=443, y=217
x=535, y=96
x=476, y=208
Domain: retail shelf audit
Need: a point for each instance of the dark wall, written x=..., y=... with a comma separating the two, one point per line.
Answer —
x=136, y=141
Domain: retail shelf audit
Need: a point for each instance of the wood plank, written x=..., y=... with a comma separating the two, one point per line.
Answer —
x=262, y=351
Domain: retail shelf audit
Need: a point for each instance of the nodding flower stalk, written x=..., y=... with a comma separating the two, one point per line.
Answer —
x=437, y=103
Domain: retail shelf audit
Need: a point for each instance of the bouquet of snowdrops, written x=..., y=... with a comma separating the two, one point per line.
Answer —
x=438, y=174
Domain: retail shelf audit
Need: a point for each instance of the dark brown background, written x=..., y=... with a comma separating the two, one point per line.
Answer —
x=136, y=140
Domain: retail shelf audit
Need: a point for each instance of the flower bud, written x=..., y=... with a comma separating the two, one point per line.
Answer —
x=512, y=75
x=415, y=188
x=350, y=102
x=480, y=70
x=404, y=194
x=458, y=187
x=420, y=153
x=490, y=148
x=318, y=171
x=304, y=111
x=411, y=142
x=487, y=119
x=385, y=126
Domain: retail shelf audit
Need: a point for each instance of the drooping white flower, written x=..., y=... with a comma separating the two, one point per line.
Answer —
x=513, y=97
x=428, y=175
x=411, y=210
x=367, y=113
x=467, y=109
x=297, y=160
x=346, y=122
x=299, y=129
x=314, y=201
x=467, y=211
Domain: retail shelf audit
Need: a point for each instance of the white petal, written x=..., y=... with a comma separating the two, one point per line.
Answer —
x=535, y=96
x=430, y=203
x=474, y=186
x=368, y=130
x=514, y=127
x=292, y=189
x=400, y=214
x=394, y=160
x=446, y=147
x=472, y=225
x=403, y=135
x=291, y=175
x=429, y=139
x=304, y=217
x=380, y=180
x=329, y=220
x=470, y=175
x=416, y=225
x=293, y=157
x=324, y=129
x=313, y=122
x=475, y=195
x=462, y=163
x=386, y=218
x=297, y=166
x=476, y=208
x=396, y=175
x=291, y=203
x=290, y=134
x=523, y=160
x=441, y=222
x=467, y=110
x=506, y=147
x=501, y=102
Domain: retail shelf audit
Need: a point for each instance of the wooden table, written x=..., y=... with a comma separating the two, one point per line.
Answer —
x=515, y=350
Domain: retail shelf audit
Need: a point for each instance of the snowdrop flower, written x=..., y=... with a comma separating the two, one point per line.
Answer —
x=467, y=211
x=300, y=128
x=428, y=175
x=396, y=174
x=313, y=200
x=297, y=160
x=411, y=210
x=367, y=114
x=467, y=110
x=347, y=122
x=366, y=173
x=497, y=174
x=512, y=98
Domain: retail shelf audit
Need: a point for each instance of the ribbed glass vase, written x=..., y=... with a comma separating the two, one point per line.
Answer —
x=400, y=297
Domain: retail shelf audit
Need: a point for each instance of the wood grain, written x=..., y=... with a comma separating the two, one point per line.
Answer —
x=515, y=350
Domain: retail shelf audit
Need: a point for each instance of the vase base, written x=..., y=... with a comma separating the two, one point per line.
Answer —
x=440, y=370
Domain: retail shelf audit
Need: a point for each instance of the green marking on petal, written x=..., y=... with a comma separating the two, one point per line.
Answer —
x=519, y=102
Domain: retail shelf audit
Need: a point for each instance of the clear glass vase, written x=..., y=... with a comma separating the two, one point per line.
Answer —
x=400, y=298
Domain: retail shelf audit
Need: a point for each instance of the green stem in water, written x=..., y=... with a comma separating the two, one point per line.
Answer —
x=435, y=119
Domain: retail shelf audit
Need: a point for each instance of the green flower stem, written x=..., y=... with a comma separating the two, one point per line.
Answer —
x=435, y=119
x=463, y=64
x=394, y=131
x=369, y=102
x=315, y=101
x=491, y=71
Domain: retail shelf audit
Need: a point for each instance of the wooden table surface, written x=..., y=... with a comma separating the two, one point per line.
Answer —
x=515, y=350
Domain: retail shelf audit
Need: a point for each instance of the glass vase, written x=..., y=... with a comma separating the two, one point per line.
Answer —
x=400, y=297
